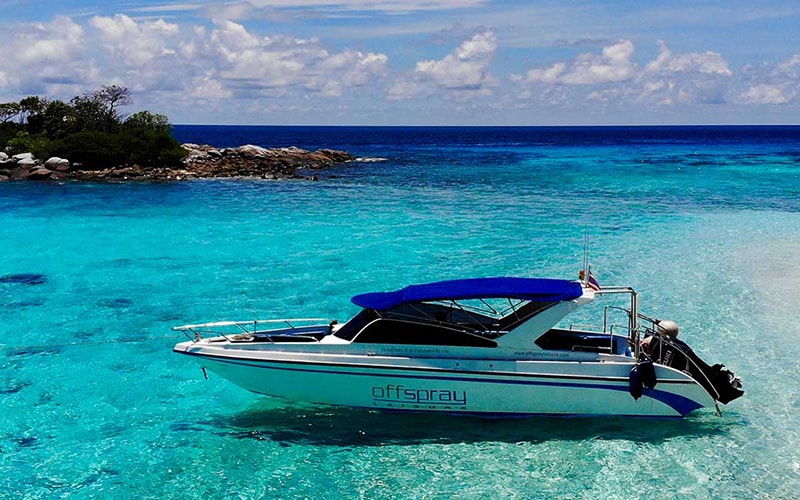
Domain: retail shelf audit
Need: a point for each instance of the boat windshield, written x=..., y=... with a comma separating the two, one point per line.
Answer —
x=481, y=317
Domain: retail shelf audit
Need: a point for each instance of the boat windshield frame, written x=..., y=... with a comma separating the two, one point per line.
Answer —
x=473, y=317
x=488, y=318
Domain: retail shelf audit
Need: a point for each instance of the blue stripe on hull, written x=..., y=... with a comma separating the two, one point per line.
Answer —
x=680, y=404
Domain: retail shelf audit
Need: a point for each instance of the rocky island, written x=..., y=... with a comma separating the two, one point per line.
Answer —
x=200, y=161
x=89, y=139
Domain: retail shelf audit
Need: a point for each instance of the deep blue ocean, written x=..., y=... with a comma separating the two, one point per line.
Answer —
x=703, y=221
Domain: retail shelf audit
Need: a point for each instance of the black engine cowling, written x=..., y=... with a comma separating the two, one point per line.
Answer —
x=721, y=383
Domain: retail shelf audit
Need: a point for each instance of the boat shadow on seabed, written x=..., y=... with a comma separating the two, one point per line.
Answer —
x=342, y=426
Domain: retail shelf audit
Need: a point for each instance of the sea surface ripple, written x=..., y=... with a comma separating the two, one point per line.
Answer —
x=703, y=221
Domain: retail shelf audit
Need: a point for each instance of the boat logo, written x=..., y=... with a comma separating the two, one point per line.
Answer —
x=400, y=396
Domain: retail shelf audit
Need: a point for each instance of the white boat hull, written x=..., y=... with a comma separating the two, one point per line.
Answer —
x=476, y=387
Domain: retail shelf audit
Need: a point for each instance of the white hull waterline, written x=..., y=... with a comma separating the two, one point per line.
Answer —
x=443, y=348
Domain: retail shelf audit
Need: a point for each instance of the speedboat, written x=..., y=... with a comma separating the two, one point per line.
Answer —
x=494, y=347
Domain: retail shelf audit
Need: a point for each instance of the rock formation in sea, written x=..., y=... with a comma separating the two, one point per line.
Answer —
x=201, y=161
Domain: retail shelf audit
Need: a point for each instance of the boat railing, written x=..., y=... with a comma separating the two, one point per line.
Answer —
x=652, y=329
x=585, y=327
x=229, y=329
x=608, y=328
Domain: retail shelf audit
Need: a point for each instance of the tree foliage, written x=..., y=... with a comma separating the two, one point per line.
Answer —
x=89, y=130
x=9, y=128
x=145, y=121
x=8, y=110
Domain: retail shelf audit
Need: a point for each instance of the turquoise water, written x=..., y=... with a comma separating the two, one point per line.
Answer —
x=95, y=404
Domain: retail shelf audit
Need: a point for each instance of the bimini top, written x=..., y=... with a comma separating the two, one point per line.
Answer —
x=539, y=289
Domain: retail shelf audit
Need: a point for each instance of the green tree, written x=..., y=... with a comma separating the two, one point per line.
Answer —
x=149, y=142
x=113, y=96
x=93, y=150
x=91, y=114
x=147, y=121
x=24, y=142
x=58, y=119
x=89, y=130
x=97, y=110
x=8, y=110
x=8, y=128
x=31, y=106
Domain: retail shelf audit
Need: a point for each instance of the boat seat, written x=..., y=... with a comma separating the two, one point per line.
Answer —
x=571, y=340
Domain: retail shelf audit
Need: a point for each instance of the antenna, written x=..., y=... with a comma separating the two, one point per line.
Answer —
x=584, y=274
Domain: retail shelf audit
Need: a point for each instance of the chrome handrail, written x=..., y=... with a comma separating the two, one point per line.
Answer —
x=194, y=332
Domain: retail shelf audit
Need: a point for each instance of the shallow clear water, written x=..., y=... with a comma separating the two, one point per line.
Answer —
x=706, y=226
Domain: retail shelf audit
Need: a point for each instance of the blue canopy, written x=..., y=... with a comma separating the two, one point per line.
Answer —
x=539, y=289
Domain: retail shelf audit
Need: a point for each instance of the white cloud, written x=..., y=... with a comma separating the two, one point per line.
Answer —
x=353, y=69
x=229, y=66
x=689, y=78
x=710, y=63
x=406, y=89
x=614, y=65
x=207, y=87
x=765, y=94
x=790, y=68
x=466, y=69
x=609, y=94
x=132, y=44
x=612, y=77
x=776, y=85
x=56, y=42
x=233, y=37
x=64, y=58
x=279, y=65
x=47, y=58
x=549, y=75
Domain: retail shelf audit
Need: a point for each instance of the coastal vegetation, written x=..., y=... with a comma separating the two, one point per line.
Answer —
x=89, y=139
x=90, y=130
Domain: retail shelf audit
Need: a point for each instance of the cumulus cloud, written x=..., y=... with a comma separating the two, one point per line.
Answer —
x=790, y=68
x=134, y=43
x=549, y=75
x=46, y=57
x=50, y=43
x=765, y=94
x=224, y=62
x=208, y=87
x=694, y=77
x=774, y=85
x=144, y=55
x=464, y=69
x=612, y=65
x=245, y=61
x=277, y=65
x=709, y=63
x=354, y=69
x=612, y=76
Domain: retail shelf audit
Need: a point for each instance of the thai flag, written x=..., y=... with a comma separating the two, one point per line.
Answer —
x=592, y=282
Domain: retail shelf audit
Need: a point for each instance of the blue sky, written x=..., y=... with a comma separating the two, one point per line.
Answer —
x=415, y=62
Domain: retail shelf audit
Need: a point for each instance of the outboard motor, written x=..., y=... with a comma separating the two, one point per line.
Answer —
x=642, y=375
x=667, y=350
